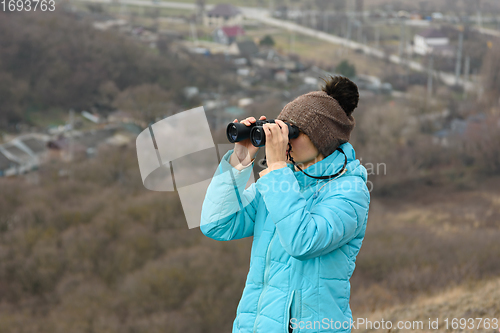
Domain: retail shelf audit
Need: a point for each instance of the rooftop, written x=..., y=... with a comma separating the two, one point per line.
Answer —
x=233, y=31
x=37, y=146
x=5, y=163
x=224, y=10
x=17, y=152
x=432, y=33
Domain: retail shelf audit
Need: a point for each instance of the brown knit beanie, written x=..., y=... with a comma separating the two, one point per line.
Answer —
x=321, y=118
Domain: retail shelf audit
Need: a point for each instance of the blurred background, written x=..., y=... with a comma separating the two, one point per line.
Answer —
x=85, y=247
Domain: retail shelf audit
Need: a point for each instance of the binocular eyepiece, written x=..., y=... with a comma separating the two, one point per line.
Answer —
x=236, y=132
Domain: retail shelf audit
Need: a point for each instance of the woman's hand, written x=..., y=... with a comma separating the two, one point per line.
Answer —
x=276, y=144
x=245, y=150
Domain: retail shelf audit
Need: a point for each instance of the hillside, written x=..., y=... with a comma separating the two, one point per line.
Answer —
x=97, y=252
x=470, y=300
x=55, y=61
x=430, y=239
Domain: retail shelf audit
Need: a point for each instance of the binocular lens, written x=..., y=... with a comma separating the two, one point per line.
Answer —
x=236, y=132
x=257, y=136
x=233, y=133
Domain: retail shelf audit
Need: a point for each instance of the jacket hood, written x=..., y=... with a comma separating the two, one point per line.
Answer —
x=330, y=165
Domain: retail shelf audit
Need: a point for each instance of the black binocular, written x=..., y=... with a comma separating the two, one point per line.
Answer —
x=236, y=132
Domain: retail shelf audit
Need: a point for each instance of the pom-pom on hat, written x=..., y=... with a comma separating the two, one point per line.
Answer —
x=321, y=117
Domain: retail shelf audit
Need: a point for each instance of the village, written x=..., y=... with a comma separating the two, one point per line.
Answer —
x=259, y=67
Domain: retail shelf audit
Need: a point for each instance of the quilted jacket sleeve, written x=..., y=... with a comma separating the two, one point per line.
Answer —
x=229, y=210
x=332, y=222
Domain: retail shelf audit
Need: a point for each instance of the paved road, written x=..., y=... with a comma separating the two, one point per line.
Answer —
x=447, y=78
x=490, y=32
x=262, y=15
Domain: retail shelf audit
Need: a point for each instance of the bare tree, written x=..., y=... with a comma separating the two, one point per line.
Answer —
x=339, y=5
x=491, y=75
x=145, y=102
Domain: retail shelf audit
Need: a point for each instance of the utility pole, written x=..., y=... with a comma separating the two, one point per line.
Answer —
x=406, y=56
x=349, y=24
x=359, y=5
x=401, y=39
x=476, y=81
x=350, y=19
x=123, y=8
x=71, y=144
x=71, y=117
x=466, y=73
x=458, y=64
x=377, y=36
x=360, y=32
x=479, y=17
x=312, y=17
x=193, y=33
x=430, y=77
x=200, y=4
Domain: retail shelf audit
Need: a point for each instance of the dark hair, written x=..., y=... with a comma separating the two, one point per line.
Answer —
x=344, y=91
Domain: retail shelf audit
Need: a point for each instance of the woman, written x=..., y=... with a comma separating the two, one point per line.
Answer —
x=307, y=217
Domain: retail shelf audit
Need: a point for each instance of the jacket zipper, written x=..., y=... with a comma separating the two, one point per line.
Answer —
x=289, y=312
x=266, y=277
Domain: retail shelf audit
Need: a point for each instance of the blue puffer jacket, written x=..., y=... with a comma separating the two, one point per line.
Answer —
x=305, y=241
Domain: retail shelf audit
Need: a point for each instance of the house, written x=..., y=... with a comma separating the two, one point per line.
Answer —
x=429, y=41
x=227, y=115
x=244, y=72
x=190, y=92
x=270, y=59
x=245, y=102
x=470, y=128
x=227, y=34
x=281, y=75
x=245, y=48
x=8, y=167
x=35, y=145
x=26, y=162
x=223, y=14
x=373, y=84
x=81, y=145
x=233, y=112
x=66, y=149
x=91, y=140
x=23, y=154
x=110, y=23
x=95, y=118
x=120, y=116
x=312, y=81
x=124, y=134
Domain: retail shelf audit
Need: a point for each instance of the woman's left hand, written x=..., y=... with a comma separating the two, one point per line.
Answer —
x=276, y=144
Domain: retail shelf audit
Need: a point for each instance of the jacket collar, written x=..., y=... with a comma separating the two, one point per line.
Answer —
x=330, y=165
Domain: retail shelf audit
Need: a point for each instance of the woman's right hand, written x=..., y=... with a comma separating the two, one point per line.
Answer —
x=245, y=150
